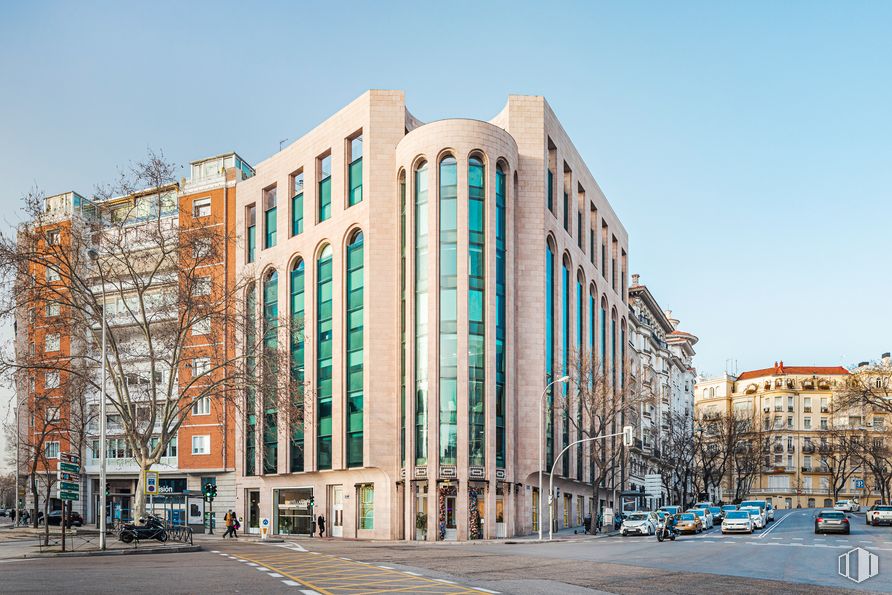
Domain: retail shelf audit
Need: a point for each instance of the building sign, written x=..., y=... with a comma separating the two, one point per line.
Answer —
x=168, y=485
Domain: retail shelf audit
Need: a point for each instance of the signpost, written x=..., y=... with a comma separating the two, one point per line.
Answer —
x=264, y=529
x=69, y=486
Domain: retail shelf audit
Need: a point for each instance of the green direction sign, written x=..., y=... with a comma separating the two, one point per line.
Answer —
x=67, y=486
x=69, y=467
x=69, y=496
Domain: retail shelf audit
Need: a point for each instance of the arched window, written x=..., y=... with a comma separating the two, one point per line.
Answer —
x=580, y=332
x=476, y=309
x=354, y=348
x=403, y=372
x=270, y=372
x=324, y=288
x=501, y=322
x=298, y=375
x=602, y=356
x=448, y=398
x=251, y=391
x=613, y=347
x=565, y=357
x=422, y=254
x=549, y=352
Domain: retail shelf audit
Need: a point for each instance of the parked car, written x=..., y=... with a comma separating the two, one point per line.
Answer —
x=688, y=522
x=639, y=523
x=756, y=515
x=762, y=505
x=74, y=519
x=846, y=506
x=4, y=512
x=769, y=512
x=737, y=521
x=832, y=521
x=705, y=516
x=879, y=514
x=718, y=515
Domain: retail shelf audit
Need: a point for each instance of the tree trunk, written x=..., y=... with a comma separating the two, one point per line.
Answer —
x=36, y=496
x=139, y=498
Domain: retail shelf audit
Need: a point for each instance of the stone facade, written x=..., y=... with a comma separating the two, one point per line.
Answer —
x=436, y=463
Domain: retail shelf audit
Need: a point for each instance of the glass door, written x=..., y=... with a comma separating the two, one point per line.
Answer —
x=253, y=511
x=337, y=511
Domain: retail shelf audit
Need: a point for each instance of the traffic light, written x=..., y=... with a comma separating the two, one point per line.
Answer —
x=312, y=501
x=107, y=491
x=210, y=491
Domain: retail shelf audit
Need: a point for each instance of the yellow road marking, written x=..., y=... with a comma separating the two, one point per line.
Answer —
x=326, y=561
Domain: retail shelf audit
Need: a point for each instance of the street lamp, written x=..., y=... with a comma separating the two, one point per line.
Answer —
x=564, y=378
x=94, y=256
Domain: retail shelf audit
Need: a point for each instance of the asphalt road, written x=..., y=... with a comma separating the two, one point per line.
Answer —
x=785, y=557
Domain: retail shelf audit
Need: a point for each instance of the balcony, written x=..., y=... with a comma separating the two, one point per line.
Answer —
x=808, y=448
x=806, y=409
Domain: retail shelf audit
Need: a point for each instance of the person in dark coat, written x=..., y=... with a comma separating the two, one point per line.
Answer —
x=321, y=523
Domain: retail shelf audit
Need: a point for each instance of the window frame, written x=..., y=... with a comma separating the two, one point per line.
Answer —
x=200, y=205
x=207, y=444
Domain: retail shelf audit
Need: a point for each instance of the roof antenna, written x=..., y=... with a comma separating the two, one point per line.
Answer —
x=282, y=142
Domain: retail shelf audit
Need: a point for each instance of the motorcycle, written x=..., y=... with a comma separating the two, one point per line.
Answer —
x=150, y=527
x=664, y=531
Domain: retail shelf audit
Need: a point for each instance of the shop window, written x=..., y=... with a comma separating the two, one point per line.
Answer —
x=367, y=507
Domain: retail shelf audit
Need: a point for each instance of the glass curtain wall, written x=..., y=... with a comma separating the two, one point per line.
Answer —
x=476, y=317
x=448, y=197
x=501, y=321
x=422, y=253
x=270, y=372
x=297, y=364
x=324, y=288
x=251, y=391
x=355, y=285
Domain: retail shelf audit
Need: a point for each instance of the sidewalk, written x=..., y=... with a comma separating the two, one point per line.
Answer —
x=26, y=542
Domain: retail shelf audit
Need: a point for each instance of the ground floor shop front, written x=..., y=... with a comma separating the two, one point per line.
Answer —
x=367, y=504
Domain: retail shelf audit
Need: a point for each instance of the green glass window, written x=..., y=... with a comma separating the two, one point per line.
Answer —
x=501, y=321
x=603, y=324
x=549, y=355
x=325, y=188
x=354, y=172
x=297, y=363
x=579, y=332
x=269, y=218
x=422, y=241
x=251, y=234
x=297, y=205
x=354, y=350
x=613, y=349
x=476, y=316
x=550, y=191
x=324, y=289
x=270, y=372
x=448, y=311
x=251, y=392
x=403, y=378
x=565, y=351
x=367, y=506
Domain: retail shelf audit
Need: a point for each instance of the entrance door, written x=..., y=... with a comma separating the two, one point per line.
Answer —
x=337, y=511
x=253, y=511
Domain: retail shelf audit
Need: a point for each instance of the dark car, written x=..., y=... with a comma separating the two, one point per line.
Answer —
x=718, y=515
x=832, y=521
x=74, y=518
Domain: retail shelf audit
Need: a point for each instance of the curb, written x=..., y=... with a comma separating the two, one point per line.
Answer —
x=180, y=549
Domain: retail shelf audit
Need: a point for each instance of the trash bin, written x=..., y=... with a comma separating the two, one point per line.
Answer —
x=587, y=523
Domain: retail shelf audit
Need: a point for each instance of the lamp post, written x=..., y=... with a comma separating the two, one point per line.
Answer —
x=541, y=446
x=94, y=256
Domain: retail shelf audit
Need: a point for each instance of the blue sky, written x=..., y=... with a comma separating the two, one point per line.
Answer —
x=746, y=146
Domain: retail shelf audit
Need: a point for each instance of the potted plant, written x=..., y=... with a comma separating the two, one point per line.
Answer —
x=420, y=526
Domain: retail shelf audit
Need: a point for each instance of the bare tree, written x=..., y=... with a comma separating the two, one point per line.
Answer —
x=867, y=387
x=876, y=454
x=679, y=454
x=840, y=453
x=172, y=315
x=746, y=459
x=596, y=406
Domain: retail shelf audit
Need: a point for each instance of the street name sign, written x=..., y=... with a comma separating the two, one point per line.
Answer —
x=69, y=476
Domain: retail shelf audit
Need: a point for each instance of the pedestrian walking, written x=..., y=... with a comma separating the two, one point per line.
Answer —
x=229, y=519
x=321, y=522
x=236, y=525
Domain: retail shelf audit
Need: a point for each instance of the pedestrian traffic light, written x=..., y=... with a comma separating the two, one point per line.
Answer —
x=107, y=491
x=312, y=501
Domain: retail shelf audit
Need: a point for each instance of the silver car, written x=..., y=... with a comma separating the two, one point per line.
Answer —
x=639, y=523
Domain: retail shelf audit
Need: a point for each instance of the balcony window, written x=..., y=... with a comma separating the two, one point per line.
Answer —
x=51, y=450
x=297, y=204
x=52, y=342
x=251, y=233
x=52, y=237
x=324, y=176
x=269, y=217
x=201, y=207
x=201, y=406
x=52, y=309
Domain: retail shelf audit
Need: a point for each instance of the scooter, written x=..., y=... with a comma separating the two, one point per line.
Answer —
x=150, y=527
x=665, y=531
